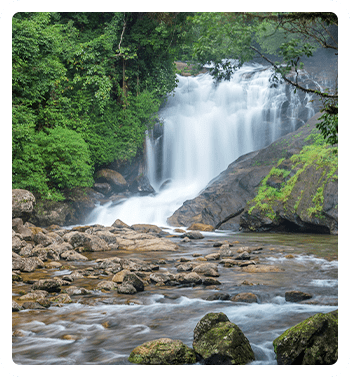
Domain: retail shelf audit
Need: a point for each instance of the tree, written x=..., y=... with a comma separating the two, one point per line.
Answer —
x=227, y=40
x=88, y=84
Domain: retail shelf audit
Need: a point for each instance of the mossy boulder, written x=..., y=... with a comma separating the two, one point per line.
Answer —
x=163, y=351
x=219, y=341
x=311, y=342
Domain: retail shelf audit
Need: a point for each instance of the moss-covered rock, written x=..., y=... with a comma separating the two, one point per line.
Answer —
x=291, y=185
x=163, y=351
x=311, y=342
x=219, y=341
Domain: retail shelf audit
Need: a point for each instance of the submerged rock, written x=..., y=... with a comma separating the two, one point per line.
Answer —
x=219, y=341
x=311, y=342
x=163, y=351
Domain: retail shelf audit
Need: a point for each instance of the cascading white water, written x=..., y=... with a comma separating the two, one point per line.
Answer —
x=206, y=127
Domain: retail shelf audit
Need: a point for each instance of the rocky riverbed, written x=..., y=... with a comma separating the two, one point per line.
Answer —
x=156, y=281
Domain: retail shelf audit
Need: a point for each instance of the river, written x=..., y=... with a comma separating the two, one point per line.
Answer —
x=103, y=328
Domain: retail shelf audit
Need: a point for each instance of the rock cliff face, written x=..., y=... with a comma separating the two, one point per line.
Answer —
x=290, y=185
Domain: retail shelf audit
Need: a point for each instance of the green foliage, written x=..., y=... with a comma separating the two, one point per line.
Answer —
x=85, y=88
x=328, y=124
x=46, y=162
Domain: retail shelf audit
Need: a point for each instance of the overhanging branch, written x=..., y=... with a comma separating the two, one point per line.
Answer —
x=306, y=90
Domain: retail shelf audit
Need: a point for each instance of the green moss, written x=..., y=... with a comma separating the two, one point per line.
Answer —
x=313, y=341
x=319, y=155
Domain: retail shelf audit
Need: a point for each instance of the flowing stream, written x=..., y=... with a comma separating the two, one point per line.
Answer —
x=104, y=327
x=206, y=127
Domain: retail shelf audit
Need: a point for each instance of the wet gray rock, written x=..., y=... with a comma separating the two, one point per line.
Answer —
x=16, y=307
x=49, y=285
x=71, y=255
x=207, y=269
x=23, y=202
x=245, y=297
x=296, y=296
x=218, y=296
x=194, y=235
x=132, y=279
x=191, y=278
x=27, y=264
x=127, y=289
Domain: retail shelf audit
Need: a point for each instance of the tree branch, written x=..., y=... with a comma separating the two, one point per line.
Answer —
x=321, y=94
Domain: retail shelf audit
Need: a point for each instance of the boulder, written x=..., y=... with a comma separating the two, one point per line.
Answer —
x=126, y=289
x=42, y=239
x=219, y=341
x=213, y=256
x=62, y=298
x=16, y=307
x=190, y=278
x=17, y=244
x=71, y=255
x=113, y=178
x=34, y=295
x=163, y=351
x=132, y=279
x=225, y=251
x=201, y=227
x=32, y=305
x=89, y=242
x=119, y=276
x=106, y=285
x=141, y=185
x=245, y=297
x=73, y=290
x=147, y=244
x=311, y=342
x=207, y=269
x=119, y=224
x=296, y=296
x=24, y=232
x=252, y=268
x=95, y=243
x=76, y=239
x=23, y=202
x=162, y=278
x=49, y=285
x=27, y=264
x=195, y=235
x=210, y=281
x=103, y=188
x=218, y=296
x=107, y=236
x=146, y=228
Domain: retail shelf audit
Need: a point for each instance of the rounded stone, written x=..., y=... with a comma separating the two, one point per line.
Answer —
x=163, y=351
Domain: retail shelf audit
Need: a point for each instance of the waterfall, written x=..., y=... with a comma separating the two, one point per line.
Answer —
x=206, y=126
